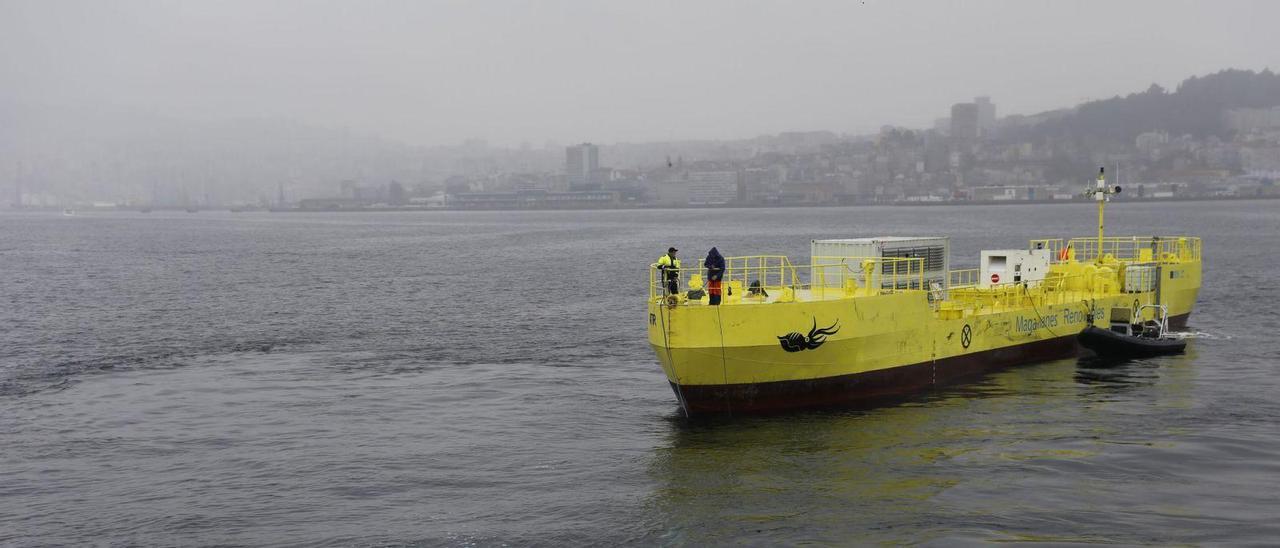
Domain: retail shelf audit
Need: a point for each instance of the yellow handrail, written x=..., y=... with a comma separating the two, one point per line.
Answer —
x=1054, y=245
x=778, y=280
x=1138, y=248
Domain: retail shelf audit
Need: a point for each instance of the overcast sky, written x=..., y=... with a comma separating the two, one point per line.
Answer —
x=441, y=72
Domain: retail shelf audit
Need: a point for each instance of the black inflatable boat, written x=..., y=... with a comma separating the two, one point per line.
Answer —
x=1132, y=340
x=1107, y=343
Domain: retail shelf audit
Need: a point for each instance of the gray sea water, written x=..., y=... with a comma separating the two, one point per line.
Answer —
x=482, y=378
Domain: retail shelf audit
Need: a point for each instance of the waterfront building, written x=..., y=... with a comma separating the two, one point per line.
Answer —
x=964, y=121
x=986, y=114
x=579, y=162
x=535, y=199
x=712, y=187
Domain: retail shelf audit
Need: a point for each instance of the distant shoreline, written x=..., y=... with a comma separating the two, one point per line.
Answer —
x=658, y=207
x=788, y=206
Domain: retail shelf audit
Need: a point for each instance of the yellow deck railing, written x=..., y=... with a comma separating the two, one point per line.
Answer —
x=1055, y=289
x=1054, y=245
x=889, y=273
x=967, y=277
x=763, y=271
x=772, y=278
x=1163, y=249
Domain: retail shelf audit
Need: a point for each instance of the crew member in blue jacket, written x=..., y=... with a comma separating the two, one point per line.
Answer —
x=715, y=272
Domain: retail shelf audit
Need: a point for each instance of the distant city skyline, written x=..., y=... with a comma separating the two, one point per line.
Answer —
x=511, y=73
x=1217, y=136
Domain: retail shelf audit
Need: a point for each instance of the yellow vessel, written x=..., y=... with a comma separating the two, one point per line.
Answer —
x=845, y=328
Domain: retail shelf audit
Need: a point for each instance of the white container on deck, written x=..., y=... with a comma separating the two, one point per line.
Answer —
x=1005, y=266
x=832, y=257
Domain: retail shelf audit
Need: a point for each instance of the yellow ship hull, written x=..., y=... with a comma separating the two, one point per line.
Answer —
x=760, y=357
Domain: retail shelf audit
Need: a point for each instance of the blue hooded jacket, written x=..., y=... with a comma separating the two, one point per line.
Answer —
x=715, y=265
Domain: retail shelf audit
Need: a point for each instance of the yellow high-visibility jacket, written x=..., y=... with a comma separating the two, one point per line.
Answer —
x=670, y=266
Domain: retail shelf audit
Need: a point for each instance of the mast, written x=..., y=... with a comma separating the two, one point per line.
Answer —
x=1102, y=194
x=1101, y=197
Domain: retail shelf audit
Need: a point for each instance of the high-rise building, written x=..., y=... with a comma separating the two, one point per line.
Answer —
x=964, y=121
x=579, y=162
x=17, y=187
x=986, y=113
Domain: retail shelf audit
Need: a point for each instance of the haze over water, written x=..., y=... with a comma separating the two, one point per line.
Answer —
x=483, y=378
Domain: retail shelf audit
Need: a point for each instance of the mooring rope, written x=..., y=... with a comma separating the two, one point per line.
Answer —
x=666, y=342
x=724, y=366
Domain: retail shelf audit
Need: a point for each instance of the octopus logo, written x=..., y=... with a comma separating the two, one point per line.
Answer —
x=795, y=342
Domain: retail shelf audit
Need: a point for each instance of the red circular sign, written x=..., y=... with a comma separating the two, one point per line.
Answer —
x=995, y=278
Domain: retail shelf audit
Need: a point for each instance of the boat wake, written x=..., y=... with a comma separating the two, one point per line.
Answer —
x=1199, y=335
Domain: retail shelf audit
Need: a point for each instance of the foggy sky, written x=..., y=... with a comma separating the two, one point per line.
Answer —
x=441, y=72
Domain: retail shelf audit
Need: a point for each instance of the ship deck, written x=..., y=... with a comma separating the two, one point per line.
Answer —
x=1079, y=269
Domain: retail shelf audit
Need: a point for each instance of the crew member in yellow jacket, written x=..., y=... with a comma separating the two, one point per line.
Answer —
x=670, y=267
